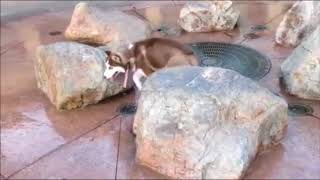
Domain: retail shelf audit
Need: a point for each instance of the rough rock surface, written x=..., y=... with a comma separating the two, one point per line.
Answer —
x=115, y=28
x=206, y=16
x=71, y=74
x=298, y=23
x=208, y=123
x=301, y=70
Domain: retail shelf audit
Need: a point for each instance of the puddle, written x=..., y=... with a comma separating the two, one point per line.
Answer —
x=244, y=60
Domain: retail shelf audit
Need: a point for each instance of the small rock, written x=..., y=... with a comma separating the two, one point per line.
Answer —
x=206, y=16
x=298, y=23
x=71, y=74
x=115, y=28
x=301, y=70
x=205, y=123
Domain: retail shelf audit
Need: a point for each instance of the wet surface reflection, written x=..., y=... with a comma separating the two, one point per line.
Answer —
x=37, y=141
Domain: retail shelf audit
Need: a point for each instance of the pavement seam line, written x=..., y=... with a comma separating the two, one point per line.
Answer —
x=10, y=47
x=61, y=146
x=118, y=149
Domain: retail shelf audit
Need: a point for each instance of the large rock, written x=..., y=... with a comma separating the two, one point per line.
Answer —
x=301, y=70
x=115, y=28
x=298, y=23
x=206, y=16
x=208, y=123
x=72, y=74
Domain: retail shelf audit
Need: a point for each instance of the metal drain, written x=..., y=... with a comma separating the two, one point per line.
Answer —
x=55, y=33
x=246, y=61
x=299, y=110
x=259, y=27
x=127, y=109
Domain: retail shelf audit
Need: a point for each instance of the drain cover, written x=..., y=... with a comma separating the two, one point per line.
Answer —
x=128, y=109
x=246, y=61
x=259, y=27
x=299, y=110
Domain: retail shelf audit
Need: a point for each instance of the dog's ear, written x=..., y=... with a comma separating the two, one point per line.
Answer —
x=115, y=59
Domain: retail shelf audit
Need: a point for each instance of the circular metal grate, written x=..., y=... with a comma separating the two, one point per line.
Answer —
x=244, y=60
x=299, y=110
x=127, y=109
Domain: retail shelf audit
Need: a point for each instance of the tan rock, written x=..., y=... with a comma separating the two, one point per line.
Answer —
x=205, y=123
x=206, y=16
x=298, y=23
x=72, y=75
x=301, y=70
x=116, y=28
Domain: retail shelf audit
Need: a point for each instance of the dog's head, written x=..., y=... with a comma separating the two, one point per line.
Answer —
x=121, y=58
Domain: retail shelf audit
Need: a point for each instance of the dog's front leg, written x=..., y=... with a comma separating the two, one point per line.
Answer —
x=138, y=74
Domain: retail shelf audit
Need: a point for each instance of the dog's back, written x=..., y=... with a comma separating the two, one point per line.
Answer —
x=156, y=53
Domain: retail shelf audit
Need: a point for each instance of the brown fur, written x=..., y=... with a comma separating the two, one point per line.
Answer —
x=156, y=53
x=150, y=55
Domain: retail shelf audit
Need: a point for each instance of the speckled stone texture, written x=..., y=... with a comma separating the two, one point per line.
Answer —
x=298, y=23
x=301, y=70
x=208, y=123
x=116, y=29
x=206, y=16
x=71, y=74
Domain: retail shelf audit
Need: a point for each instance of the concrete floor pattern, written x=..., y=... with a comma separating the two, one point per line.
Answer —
x=97, y=142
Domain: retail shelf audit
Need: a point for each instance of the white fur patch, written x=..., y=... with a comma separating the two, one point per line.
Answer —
x=130, y=46
x=137, y=78
x=112, y=70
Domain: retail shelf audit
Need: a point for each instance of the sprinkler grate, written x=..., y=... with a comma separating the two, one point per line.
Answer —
x=299, y=110
x=246, y=61
x=259, y=27
x=127, y=109
x=55, y=33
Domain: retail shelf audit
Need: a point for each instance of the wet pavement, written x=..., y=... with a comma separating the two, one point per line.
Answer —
x=97, y=142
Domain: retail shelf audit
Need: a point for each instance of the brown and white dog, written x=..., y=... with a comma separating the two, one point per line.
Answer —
x=147, y=56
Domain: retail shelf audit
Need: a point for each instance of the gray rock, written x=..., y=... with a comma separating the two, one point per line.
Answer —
x=206, y=16
x=298, y=23
x=301, y=70
x=115, y=28
x=71, y=74
x=205, y=123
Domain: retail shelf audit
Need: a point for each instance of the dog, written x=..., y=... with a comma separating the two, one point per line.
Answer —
x=149, y=55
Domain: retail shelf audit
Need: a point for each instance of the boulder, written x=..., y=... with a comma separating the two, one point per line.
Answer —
x=113, y=28
x=72, y=75
x=205, y=123
x=206, y=16
x=298, y=23
x=301, y=70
